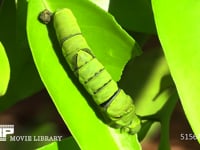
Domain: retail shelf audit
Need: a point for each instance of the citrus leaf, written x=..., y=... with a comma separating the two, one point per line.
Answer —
x=4, y=71
x=111, y=45
x=179, y=33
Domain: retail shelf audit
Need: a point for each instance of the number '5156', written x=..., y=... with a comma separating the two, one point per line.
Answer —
x=188, y=136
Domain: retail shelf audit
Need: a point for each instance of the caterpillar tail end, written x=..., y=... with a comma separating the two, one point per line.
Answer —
x=133, y=128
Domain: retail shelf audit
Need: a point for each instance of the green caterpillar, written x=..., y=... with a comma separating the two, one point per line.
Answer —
x=114, y=103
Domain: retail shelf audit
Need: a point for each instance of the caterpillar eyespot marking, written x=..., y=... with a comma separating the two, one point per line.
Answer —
x=114, y=103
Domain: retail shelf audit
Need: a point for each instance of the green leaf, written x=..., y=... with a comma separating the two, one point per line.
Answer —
x=4, y=71
x=111, y=45
x=147, y=80
x=24, y=78
x=104, y=4
x=179, y=33
x=68, y=143
x=134, y=15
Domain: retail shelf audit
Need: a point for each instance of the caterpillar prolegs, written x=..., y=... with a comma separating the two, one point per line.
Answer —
x=113, y=102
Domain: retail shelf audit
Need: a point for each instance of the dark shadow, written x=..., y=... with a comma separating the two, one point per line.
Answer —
x=1, y=4
x=137, y=72
x=165, y=83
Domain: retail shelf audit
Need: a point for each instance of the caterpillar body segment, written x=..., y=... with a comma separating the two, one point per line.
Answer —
x=114, y=103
